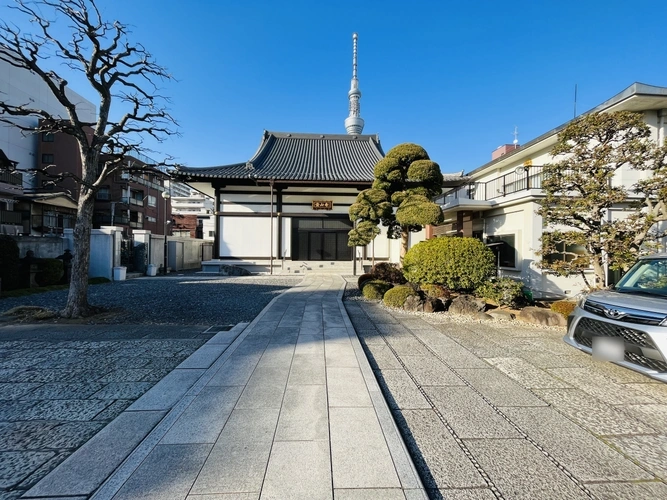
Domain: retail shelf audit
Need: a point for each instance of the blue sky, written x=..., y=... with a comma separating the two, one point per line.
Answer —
x=455, y=77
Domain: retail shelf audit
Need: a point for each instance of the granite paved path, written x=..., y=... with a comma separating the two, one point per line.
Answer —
x=289, y=409
x=493, y=410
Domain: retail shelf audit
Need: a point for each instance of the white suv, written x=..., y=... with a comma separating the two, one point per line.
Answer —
x=627, y=324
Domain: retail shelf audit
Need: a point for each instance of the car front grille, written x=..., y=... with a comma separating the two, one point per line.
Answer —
x=627, y=315
x=653, y=364
x=588, y=327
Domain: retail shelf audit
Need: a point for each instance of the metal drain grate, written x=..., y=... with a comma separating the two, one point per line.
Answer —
x=219, y=328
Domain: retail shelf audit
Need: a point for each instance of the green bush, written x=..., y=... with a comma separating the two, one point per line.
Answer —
x=456, y=263
x=387, y=271
x=397, y=295
x=435, y=291
x=564, y=307
x=375, y=289
x=49, y=271
x=10, y=263
x=503, y=291
x=363, y=279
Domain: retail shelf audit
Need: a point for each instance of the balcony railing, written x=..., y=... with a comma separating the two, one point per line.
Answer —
x=14, y=178
x=8, y=217
x=498, y=187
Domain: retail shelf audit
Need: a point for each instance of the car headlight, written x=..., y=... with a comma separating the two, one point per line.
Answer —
x=581, y=300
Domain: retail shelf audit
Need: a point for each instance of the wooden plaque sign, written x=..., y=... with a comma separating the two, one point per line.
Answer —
x=322, y=205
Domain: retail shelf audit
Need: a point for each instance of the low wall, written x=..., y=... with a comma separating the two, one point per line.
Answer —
x=43, y=247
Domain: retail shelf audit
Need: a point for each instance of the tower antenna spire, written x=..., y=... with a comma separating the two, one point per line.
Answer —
x=516, y=136
x=354, y=124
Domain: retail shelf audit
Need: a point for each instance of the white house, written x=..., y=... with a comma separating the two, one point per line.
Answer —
x=498, y=204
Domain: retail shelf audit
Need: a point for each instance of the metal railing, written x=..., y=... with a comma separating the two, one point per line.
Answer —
x=8, y=217
x=15, y=178
x=504, y=185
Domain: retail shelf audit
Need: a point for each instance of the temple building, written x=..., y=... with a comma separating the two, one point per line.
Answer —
x=287, y=206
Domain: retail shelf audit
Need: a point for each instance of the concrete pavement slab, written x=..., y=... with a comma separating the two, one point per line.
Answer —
x=303, y=416
x=588, y=458
x=238, y=460
x=84, y=471
x=369, y=494
x=499, y=388
x=166, y=474
x=346, y=388
x=649, y=450
x=499, y=458
x=265, y=389
x=204, y=419
x=599, y=418
x=629, y=491
x=298, y=469
x=204, y=356
x=166, y=393
x=468, y=414
x=359, y=454
x=307, y=369
x=404, y=392
x=526, y=374
x=236, y=370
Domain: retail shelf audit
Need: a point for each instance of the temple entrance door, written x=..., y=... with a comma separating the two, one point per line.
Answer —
x=321, y=239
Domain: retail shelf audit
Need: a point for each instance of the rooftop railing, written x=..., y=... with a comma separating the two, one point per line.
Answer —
x=15, y=178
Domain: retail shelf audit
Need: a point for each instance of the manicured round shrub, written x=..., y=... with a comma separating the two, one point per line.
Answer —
x=435, y=291
x=49, y=271
x=503, y=291
x=363, y=279
x=456, y=263
x=387, y=271
x=564, y=307
x=375, y=289
x=10, y=263
x=397, y=295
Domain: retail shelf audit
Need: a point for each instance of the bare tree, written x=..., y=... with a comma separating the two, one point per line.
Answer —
x=121, y=72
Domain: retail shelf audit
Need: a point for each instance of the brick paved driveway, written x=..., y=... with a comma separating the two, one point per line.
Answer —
x=494, y=410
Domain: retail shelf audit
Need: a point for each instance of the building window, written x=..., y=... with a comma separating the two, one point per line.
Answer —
x=137, y=198
x=47, y=137
x=565, y=253
x=104, y=193
x=503, y=246
x=152, y=201
x=211, y=234
x=150, y=219
x=47, y=158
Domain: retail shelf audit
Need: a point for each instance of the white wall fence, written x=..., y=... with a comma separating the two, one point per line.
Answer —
x=105, y=249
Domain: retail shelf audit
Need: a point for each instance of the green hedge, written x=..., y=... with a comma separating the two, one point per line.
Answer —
x=375, y=289
x=456, y=263
x=503, y=291
x=434, y=291
x=387, y=271
x=397, y=295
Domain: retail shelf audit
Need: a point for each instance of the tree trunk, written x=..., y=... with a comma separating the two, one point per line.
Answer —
x=598, y=268
x=77, y=300
x=404, y=243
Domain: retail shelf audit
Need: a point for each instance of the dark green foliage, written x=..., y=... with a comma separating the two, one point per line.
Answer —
x=375, y=289
x=564, y=307
x=418, y=211
x=363, y=279
x=9, y=263
x=408, y=180
x=49, y=271
x=435, y=291
x=456, y=263
x=407, y=153
x=397, y=295
x=387, y=271
x=503, y=291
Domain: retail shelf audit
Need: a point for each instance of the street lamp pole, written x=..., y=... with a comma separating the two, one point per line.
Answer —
x=166, y=195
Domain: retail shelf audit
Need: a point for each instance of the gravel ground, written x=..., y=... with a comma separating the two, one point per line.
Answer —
x=184, y=299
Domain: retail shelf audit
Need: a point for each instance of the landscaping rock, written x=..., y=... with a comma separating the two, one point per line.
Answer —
x=501, y=314
x=413, y=304
x=467, y=304
x=481, y=316
x=432, y=305
x=541, y=316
